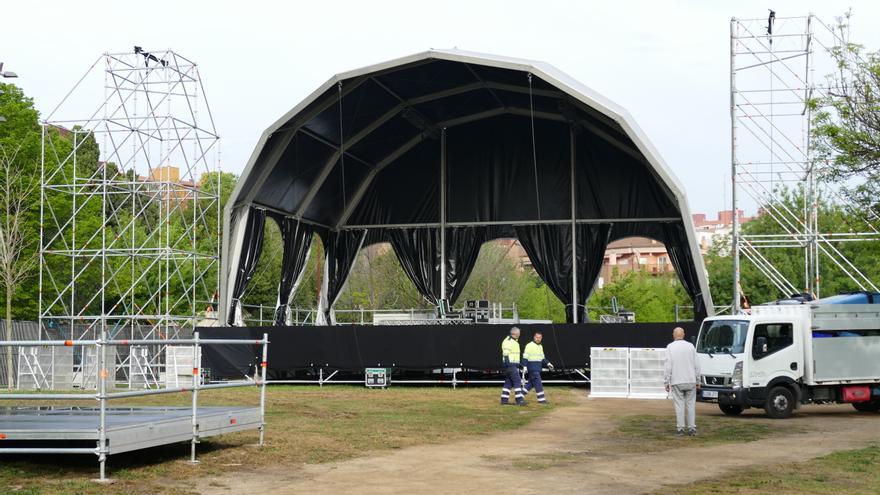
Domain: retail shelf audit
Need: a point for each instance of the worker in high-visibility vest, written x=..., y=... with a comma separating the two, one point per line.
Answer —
x=534, y=360
x=510, y=354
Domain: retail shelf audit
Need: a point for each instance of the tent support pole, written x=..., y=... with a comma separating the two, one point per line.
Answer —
x=574, y=267
x=443, y=213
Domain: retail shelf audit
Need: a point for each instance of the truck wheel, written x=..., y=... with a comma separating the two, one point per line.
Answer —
x=780, y=403
x=730, y=409
x=872, y=406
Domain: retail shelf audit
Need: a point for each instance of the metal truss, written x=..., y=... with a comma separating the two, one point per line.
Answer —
x=773, y=63
x=129, y=237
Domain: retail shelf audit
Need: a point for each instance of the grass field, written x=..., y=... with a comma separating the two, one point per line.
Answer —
x=855, y=472
x=310, y=425
x=641, y=433
x=645, y=433
x=305, y=425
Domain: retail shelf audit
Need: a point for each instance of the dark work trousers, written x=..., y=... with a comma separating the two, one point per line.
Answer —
x=511, y=381
x=533, y=381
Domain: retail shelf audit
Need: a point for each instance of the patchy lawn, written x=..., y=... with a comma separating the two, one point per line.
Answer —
x=304, y=425
x=647, y=433
x=640, y=433
x=854, y=472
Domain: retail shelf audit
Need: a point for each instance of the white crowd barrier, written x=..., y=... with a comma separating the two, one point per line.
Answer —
x=624, y=372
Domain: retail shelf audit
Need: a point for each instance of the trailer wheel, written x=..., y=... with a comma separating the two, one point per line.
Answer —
x=872, y=406
x=780, y=403
x=730, y=409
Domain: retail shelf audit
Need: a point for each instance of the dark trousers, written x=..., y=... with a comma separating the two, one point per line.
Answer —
x=534, y=381
x=511, y=381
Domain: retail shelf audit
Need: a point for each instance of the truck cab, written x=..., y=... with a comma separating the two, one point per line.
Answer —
x=784, y=355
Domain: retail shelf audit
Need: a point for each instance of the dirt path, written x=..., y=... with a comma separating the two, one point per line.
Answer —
x=577, y=456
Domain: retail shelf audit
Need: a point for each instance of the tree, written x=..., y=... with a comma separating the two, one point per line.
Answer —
x=652, y=297
x=17, y=258
x=496, y=276
x=846, y=121
x=758, y=289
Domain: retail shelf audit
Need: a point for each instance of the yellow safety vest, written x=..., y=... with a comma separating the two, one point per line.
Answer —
x=534, y=352
x=510, y=349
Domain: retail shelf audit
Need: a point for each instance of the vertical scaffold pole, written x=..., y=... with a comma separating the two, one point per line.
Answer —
x=101, y=351
x=443, y=294
x=574, y=265
x=263, y=365
x=196, y=365
x=734, y=236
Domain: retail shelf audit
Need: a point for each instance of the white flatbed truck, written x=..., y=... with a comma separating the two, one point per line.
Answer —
x=781, y=356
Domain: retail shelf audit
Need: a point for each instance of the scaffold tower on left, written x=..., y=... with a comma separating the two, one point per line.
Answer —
x=130, y=206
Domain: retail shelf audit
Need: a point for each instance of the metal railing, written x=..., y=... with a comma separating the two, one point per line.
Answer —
x=263, y=315
x=688, y=311
x=103, y=396
x=447, y=376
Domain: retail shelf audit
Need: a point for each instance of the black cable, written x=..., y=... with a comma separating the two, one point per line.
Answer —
x=341, y=145
x=542, y=240
x=534, y=148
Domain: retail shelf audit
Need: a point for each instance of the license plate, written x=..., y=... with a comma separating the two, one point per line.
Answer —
x=710, y=394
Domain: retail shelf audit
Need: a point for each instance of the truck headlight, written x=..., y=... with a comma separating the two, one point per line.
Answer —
x=737, y=378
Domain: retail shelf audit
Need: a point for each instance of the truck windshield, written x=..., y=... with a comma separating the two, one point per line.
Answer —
x=723, y=336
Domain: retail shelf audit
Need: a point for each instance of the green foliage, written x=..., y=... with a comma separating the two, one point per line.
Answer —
x=378, y=282
x=652, y=297
x=21, y=132
x=846, y=127
x=790, y=261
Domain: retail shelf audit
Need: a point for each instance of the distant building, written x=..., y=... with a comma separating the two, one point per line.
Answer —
x=169, y=186
x=634, y=253
x=709, y=230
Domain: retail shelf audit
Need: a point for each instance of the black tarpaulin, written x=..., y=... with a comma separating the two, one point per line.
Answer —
x=419, y=347
x=297, y=239
x=251, y=247
x=418, y=250
x=341, y=249
x=462, y=249
x=592, y=240
x=419, y=253
x=675, y=240
x=549, y=249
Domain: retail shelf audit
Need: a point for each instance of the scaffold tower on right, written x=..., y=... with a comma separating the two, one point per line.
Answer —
x=773, y=65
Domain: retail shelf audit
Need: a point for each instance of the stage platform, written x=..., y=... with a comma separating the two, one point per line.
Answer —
x=128, y=428
x=419, y=347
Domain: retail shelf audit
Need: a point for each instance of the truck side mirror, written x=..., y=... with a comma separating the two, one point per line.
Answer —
x=761, y=345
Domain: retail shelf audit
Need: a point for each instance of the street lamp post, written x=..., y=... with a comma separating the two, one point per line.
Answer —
x=9, y=75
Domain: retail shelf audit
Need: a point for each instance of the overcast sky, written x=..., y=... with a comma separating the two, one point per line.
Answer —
x=666, y=62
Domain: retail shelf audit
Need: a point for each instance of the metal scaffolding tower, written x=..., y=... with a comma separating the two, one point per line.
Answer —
x=129, y=207
x=773, y=62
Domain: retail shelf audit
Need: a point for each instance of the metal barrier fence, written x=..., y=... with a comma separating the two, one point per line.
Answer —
x=448, y=376
x=625, y=372
x=103, y=396
x=262, y=315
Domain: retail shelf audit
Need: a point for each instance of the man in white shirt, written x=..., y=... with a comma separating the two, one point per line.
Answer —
x=682, y=378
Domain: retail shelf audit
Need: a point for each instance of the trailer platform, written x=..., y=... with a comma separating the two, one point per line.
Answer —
x=128, y=428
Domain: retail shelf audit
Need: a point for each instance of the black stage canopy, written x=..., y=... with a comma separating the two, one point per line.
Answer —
x=441, y=151
x=418, y=347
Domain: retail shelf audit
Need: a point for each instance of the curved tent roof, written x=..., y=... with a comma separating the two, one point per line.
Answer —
x=520, y=143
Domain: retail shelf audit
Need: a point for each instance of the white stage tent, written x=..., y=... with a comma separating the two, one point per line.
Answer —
x=441, y=151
